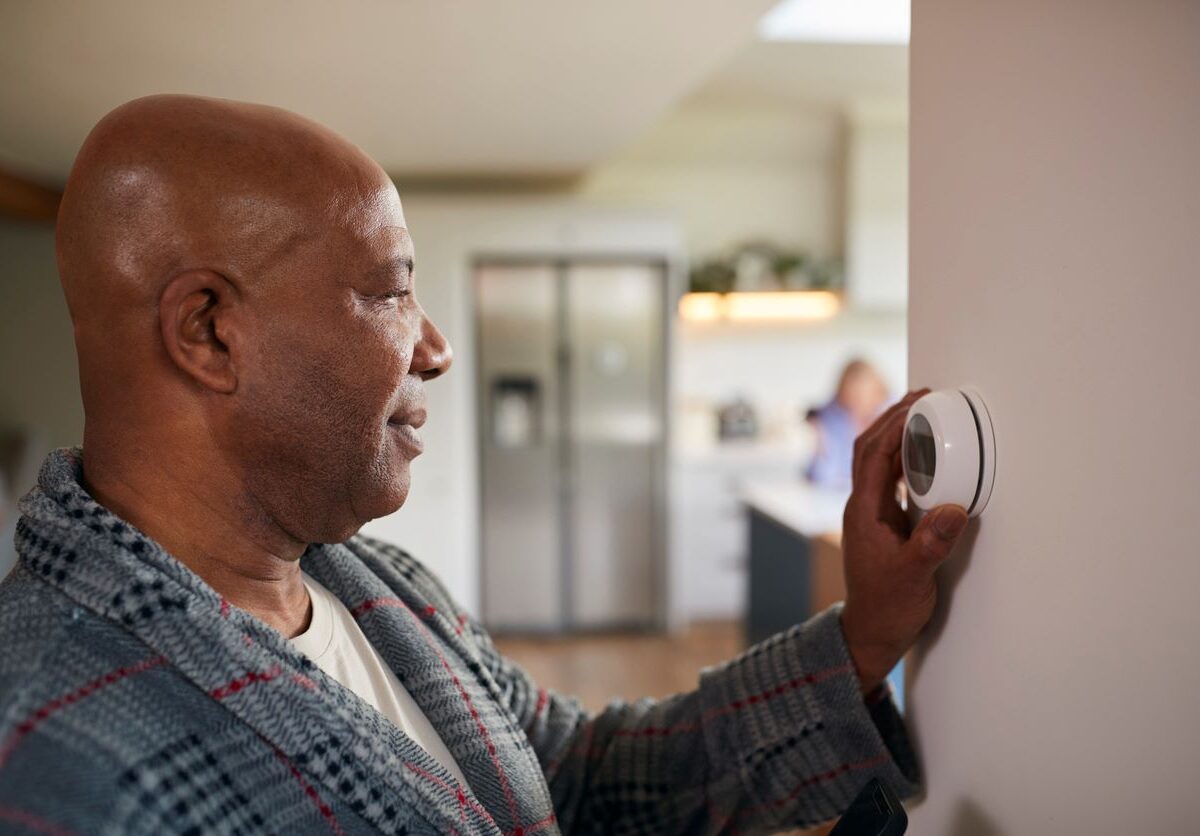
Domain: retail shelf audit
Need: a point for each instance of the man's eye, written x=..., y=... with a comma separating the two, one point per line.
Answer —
x=395, y=294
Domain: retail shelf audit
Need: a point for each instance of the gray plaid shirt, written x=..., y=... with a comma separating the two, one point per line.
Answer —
x=134, y=699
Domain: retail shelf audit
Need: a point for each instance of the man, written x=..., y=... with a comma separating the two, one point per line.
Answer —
x=197, y=641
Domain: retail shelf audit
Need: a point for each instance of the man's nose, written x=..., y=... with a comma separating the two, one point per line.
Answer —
x=432, y=354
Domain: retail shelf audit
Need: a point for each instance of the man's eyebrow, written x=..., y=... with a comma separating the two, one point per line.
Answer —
x=391, y=267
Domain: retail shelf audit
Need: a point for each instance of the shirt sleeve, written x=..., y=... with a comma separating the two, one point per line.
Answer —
x=778, y=737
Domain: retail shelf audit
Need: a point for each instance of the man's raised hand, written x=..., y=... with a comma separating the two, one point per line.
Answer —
x=890, y=588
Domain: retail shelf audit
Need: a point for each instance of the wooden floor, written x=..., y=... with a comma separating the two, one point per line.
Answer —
x=600, y=668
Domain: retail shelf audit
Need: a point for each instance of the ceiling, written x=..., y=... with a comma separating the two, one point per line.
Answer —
x=475, y=87
x=823, y=74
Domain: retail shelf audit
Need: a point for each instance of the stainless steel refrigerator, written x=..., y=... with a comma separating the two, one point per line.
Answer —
x=572, y=359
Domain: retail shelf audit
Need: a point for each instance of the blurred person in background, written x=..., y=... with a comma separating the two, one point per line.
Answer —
x=198, y=640
x=860, y=397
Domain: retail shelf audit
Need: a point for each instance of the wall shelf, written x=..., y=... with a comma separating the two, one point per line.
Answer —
x=762, y=306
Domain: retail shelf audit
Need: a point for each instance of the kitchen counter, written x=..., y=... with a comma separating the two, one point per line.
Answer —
x=794, y=533
x=806, y=510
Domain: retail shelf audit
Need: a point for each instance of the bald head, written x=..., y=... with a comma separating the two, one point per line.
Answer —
x=166, y=183
x=240, y=280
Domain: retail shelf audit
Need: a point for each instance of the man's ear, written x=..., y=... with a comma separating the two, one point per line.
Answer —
x=198, y=315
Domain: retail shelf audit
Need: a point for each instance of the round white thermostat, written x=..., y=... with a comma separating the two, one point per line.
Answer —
x=949, y=451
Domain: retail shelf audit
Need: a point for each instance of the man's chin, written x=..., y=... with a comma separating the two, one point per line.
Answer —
x=381, y=505
x=388, y=497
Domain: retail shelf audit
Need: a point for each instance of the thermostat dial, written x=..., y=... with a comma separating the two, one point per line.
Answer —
x=949, y=451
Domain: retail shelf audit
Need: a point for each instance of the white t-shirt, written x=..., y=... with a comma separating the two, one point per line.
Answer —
x=336, y=643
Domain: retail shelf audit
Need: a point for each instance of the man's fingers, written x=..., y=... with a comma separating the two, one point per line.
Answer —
x=890, y=511
x=936, y=535
x=875, y=450
x=864, y=439
x=884, y=420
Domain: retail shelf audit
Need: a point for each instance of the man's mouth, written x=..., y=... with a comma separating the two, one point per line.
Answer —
x=404, y=429
x=414, y=418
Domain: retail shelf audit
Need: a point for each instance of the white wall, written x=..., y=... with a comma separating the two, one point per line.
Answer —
x=877, y=205
x=732, y=173
x=1054, y=237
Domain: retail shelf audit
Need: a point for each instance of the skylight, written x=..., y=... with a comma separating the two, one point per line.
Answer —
x=837, y=21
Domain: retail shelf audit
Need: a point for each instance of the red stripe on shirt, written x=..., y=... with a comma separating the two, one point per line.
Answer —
x=235, y=685
x=878, y=760
x=82, y=692
x=738, y=705
x=375, y=603
x=31, y=822
x=309, y=790
x=463, y=800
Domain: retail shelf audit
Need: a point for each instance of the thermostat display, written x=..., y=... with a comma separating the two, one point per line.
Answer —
x=920, y=455
x=949, y=451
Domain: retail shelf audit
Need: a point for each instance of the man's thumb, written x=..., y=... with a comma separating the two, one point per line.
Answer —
x=937, y=533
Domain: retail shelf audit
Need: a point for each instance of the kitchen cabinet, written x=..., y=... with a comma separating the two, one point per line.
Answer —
x=709, y=535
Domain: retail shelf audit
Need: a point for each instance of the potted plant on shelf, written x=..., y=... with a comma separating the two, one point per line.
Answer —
x=764, y=266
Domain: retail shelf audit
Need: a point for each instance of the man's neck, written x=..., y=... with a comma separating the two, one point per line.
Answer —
x=218, y=534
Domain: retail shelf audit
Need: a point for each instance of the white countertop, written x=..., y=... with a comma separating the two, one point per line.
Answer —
x=809, y=511
x=744, y=450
